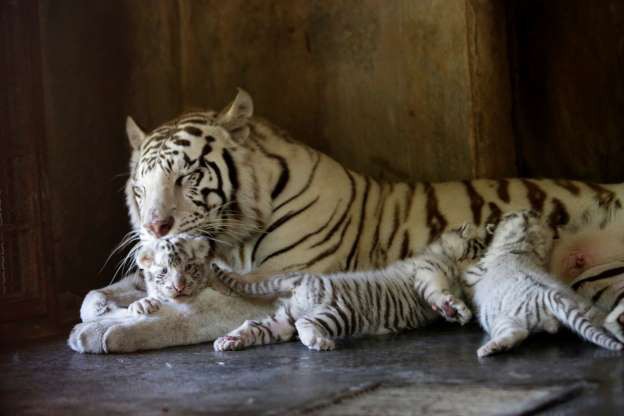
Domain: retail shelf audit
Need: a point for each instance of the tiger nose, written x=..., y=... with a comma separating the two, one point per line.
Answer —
x=160, y=228
x=179, y=286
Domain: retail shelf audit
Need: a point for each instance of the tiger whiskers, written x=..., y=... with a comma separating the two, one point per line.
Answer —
x=129, y=238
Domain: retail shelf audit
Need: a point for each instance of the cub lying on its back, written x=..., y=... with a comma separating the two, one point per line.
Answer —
x=175, y=270
x=515, y=296
x=400, y=296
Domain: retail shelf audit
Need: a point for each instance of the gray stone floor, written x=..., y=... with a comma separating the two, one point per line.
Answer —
x=433, y=371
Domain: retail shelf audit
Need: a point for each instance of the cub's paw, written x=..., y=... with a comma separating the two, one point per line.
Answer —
x=492, y=347
x=229, y=343
x=144, y=306
x=452, y=309
x=321, y=344
x=95, y=305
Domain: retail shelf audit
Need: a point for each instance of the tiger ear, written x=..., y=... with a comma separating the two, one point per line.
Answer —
x=466, y=230
x=235, y=117
x=134, y=132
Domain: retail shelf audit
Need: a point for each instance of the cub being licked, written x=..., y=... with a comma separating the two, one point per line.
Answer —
x=175, y=270
x=405, y=295
x=514, y=295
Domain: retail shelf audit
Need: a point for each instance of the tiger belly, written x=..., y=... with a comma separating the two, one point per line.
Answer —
x=584, y=250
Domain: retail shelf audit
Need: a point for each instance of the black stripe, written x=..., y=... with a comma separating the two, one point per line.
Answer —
x=194, y=131
x=283, y=178
x=344, y=214
x=317, y=319
x=302, y=239
x=331, y=317
x=405, y=245
x=305, y=187
x=232, y=171
x=329, y=251
x=476, y=202
x=381, y=206
x=598, y=294
x=395, y=227
x=360, y=225
x=617, y=300
x=278, y=223
x=347, y=324
x=604, y=275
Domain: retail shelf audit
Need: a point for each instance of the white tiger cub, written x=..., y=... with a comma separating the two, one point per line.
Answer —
x=514, y=296
x=175, y=270
x=405, y=295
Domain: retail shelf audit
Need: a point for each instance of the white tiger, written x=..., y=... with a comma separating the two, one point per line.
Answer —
x=407, y=294
x=514, y=296
x=271, y=204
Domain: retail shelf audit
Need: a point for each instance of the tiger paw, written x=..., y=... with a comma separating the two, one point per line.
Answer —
x=229, y=343
x=94, y=306
x=492, y=347
x=144, y=306
x=321, y=344
x=452, y=309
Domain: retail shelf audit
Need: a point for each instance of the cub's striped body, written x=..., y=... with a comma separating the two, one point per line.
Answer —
x=271, y=204
x=513, y=294
x=401, y=296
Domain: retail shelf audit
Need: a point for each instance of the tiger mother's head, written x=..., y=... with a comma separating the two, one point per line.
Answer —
x=195, y=175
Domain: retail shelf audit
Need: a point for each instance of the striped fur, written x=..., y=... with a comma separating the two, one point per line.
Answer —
x=174, y=270
x=514, y=295
x=270, y=204
x=318, y=307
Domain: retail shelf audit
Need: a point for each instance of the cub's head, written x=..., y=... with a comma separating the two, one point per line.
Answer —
x=193, y=175
x=175, y=268
x=523, y=229
x=463, y=242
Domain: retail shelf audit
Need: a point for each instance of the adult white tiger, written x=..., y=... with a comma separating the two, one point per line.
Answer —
x=273, y=204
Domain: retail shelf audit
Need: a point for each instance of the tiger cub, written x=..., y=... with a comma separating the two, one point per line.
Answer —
x=407, y=294
x=514, y=296
x=174, y=269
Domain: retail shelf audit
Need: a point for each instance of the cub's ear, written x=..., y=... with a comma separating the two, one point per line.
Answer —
x=145, y=258
x=466, y=230
x=234, y=117
x=134, y=132
x=202, y=248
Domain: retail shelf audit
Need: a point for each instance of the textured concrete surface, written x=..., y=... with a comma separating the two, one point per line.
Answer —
x=422, y=372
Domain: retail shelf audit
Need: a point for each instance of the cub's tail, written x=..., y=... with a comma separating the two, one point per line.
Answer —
x=273, y=285
x=569, y=313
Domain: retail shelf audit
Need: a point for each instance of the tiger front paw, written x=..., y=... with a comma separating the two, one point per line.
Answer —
x=452, y=309
x=95, y=305
x=229, y=343
x=144, y=306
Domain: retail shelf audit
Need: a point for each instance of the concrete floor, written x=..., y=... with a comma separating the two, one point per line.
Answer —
x=433, y=371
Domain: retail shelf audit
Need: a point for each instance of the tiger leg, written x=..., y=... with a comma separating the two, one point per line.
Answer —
x=506, y=333
x=434, y=288
x=106, y=302
x=315, y=331
x=271, y=330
